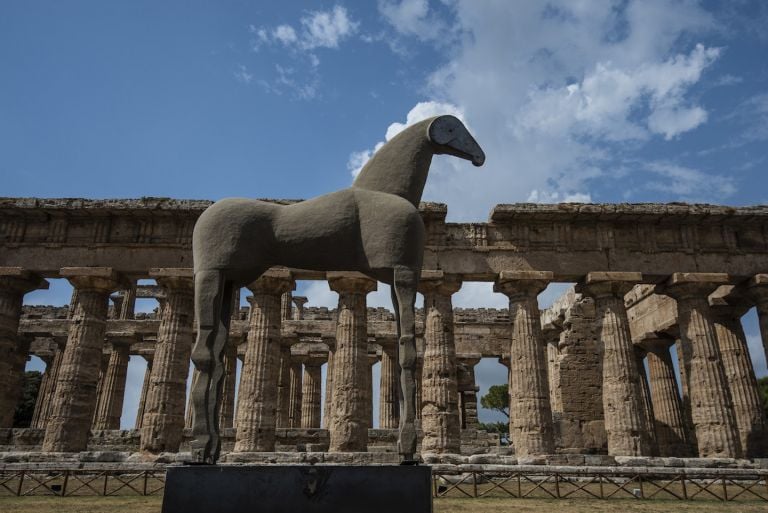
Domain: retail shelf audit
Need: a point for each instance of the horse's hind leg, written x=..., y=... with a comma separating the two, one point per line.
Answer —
x=212, y=309
x=404, y=285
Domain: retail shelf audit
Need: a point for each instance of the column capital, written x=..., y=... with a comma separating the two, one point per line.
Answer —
x=604, y=284
x=689, y=285
x=521, y=284
x=99, y=279
x=353, y=282
x=174, y=278
x=299, y=301
x=468, y=359
x=122, y=338
x=273, y=282
x=437, y=282
x=21, y=280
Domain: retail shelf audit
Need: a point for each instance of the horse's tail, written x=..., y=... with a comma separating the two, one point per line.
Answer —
x=213, y=298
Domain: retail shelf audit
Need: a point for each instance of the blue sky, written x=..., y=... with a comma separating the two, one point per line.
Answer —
x=604, y=101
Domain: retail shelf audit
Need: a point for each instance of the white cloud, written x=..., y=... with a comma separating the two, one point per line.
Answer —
x=413, y=18
x=285, y=34
x=318, y=29
x=325, y=29
x=561, y=93
x=243, y=75
x=688, y=184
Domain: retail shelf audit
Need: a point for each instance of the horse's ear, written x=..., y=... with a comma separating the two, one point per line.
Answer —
x=444, y=129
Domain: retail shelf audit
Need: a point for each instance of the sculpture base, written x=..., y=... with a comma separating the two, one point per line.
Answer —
x=298, y=488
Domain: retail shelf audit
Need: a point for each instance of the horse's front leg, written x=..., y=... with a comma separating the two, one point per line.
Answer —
x=404, y=284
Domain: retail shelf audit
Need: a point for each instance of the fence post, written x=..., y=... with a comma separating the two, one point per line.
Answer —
x=21, y=481
x=64, y=485
x=474, y=484
x=557, y=485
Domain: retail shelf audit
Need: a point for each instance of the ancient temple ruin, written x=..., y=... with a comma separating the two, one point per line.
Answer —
x=591, y=376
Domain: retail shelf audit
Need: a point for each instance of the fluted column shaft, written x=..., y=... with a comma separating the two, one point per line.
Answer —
x=144, y=390
x=110, y=406
x=349, y=418
x=227, y=406
x=625, y=422
x=294, y=397
x=257, y=398
x=44, y=391
x=671, y=435
x=740, y=374
x=440, y=421
x=74, y=399
x=14, y=283
x=310, y=395
x=711, y=404
x=327, y=410
x=163, y=423
x=467, y=392
x=284, y=385
x=389, y=403
x=645, y=391
x=530, y=412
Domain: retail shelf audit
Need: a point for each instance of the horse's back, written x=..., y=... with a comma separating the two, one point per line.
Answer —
x=231, y=232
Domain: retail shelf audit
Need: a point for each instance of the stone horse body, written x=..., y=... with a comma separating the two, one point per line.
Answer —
x=373, y=227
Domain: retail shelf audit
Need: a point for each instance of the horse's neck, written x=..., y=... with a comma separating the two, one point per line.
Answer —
x=400, y=167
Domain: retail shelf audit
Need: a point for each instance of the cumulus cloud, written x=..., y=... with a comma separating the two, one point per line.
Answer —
x=561, y=94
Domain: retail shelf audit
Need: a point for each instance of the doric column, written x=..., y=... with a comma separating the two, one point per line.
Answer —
x=161, y=430
x=389, y=403
x=257, y=398
x=440, y=420
x=740, y=374
x=45, y=389
x=188, y=420
x=348, y=424
x=552, y=340
x=294, y=396
x=327, y=410
x=310, y=394
x=671, y=436
x=283, y=373
x=144, y=389
x=100, y=386
x=227, y=406
x=645, y=392
x=757, y=290
x=368, y=400
x=530, y=413
x=690, y=433
x=711, y=405
x=109, y=408
x=74, y=400
x=128, y=303
x=14, y=283
x=417, y=378
x=467, y=391
x=625, y=422
x=299, y=301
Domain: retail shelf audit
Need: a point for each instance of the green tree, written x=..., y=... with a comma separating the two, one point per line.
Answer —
x=30, y=385
x=496, y=399
x=762, y=385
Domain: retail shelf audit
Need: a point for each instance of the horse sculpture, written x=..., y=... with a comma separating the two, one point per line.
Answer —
x=373, y=227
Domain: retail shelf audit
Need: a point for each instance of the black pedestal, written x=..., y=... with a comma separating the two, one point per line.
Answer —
x=298, y=489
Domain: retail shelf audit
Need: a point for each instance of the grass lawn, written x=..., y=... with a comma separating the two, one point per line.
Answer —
x=493, y=505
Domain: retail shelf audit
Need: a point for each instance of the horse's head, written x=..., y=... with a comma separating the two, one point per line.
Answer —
x=450, y=136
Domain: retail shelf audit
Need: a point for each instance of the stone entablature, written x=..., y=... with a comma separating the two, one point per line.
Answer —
x=569, y=240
